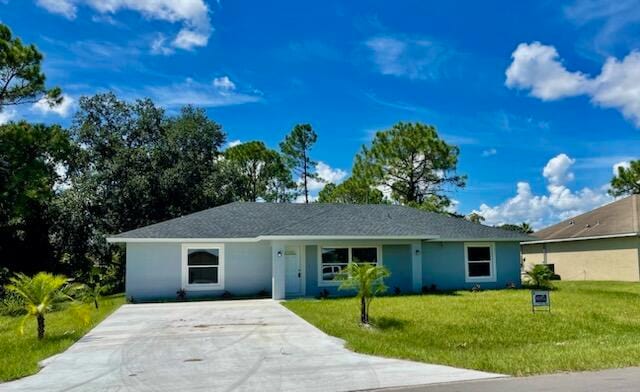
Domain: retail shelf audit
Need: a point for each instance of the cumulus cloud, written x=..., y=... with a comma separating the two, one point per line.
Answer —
x=7, y=115
x=193, y=15
x=537, y=68
x=62, y=110
x=233, y=143
x=191, y=92
x=327, y=174
x=559, y=202
x=407, y=57
x=616, y=166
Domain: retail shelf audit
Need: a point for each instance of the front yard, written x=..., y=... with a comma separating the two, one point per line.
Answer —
x=593, y=325
x=19, y=355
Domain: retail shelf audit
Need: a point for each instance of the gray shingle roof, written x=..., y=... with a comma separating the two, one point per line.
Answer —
x=620, y=217
x=251, y=220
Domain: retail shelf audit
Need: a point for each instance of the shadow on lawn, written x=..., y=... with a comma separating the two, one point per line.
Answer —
x=386, y=323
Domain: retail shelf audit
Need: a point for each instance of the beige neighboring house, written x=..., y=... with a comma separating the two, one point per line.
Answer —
x=603, y=244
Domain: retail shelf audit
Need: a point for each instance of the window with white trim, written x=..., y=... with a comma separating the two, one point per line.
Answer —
x=202, y=266
x=480, y=262
x=333, y=259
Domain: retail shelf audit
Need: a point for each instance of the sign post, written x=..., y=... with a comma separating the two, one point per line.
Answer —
x=540, y=300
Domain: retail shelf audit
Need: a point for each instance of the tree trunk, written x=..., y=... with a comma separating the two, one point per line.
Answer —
x=305, y=174
x=364, y=316
x=40, y=319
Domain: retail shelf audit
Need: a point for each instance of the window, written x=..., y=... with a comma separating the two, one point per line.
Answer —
x=480, y=262
x=334, y=259
x=202, y=266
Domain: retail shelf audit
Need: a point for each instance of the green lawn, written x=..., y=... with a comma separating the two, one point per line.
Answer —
x=20, y=354
x=593, y=325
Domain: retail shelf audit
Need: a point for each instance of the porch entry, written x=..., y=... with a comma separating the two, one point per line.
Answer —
x=293, y=270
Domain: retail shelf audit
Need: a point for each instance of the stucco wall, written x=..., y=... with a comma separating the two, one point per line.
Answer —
x=397, y=258
x=154, y=270
x=601, y=259
x=443, y=265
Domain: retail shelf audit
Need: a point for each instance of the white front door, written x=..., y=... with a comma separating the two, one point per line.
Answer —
x=293, y=270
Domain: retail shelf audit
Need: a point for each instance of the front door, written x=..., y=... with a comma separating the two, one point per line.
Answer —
x=293, y=270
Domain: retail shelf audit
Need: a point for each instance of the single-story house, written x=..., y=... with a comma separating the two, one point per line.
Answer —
x=292, y=250
x=603, y=244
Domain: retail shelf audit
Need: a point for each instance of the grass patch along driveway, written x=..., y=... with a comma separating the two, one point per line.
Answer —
x=593, y=325
x=20, y=354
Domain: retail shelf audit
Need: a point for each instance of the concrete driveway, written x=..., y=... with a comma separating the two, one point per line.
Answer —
x=250, y=345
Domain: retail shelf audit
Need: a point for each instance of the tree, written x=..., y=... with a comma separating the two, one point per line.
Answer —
x=524, y=227
x=41, y=294
x=474, y=217
x=296, y=148
x=368, y=280
x=414, y=163
x=137, y=166
x=31, y=157
x=351, y=191
x=627, y=180
x=21, y=79
x=261, y=172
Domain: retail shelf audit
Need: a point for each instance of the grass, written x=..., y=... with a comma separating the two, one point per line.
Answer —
x=592, y=325
x=21, y=354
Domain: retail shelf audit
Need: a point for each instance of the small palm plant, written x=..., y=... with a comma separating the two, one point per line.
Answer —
x=367, y=279
x=41, y=294
x=540, y=276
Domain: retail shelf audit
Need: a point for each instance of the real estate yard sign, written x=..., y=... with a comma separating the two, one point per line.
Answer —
x=540, y=300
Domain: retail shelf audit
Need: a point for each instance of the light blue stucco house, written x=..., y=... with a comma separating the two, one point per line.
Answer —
x=291, y=250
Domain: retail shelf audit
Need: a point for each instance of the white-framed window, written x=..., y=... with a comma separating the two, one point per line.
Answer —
x=332, y=259
x=203, y=266
x=480, y=262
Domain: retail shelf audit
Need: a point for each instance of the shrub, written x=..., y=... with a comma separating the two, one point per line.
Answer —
x=12, y=305
x=181, y=295
x=539, y=277
x=324, y=294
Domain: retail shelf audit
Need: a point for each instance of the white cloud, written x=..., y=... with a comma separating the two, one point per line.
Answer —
x=489, y=152
x=62, y=110
x=557, y=170
x=65, y=8
x=193, y=15
x=625, y=164
x=405, y=57
x=614, y=22
x=560, y=202
x=224, y=83
x=328, y=174
x=159, y=45
x=195, y=93
x=537, y=68
x=7, y=115
x=233, y=143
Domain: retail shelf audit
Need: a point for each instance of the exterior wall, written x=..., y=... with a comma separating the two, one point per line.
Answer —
x=154, y=270
x=600, y=259
x=397, y=258
x=443, y=264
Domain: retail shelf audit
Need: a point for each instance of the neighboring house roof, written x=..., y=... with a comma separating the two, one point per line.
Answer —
x=617, y=219
x=316, y=220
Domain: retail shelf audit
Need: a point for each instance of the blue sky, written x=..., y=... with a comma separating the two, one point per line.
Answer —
x=542, y=98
